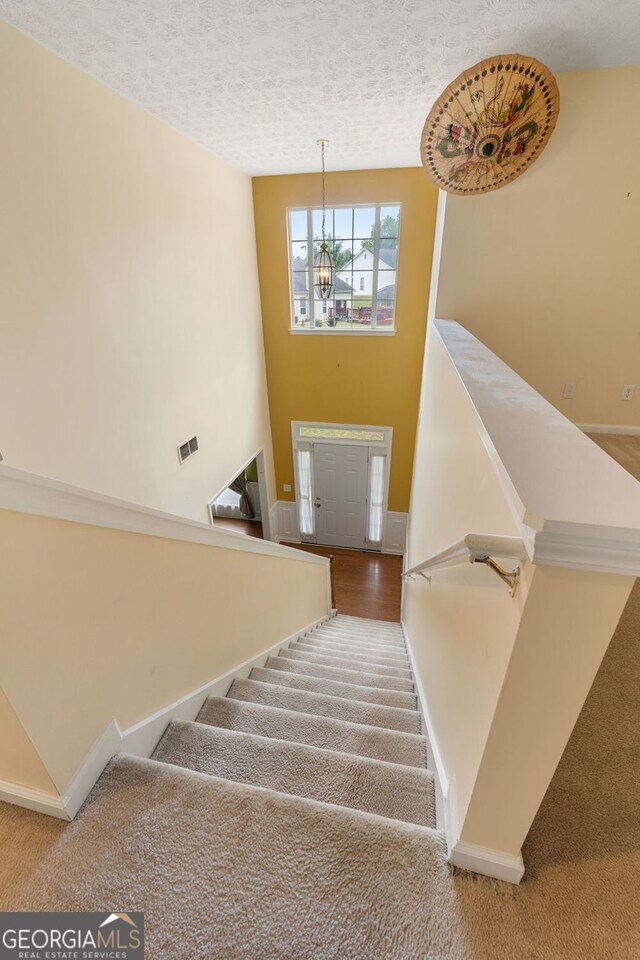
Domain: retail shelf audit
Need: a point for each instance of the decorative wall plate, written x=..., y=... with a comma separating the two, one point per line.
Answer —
x=490, y=124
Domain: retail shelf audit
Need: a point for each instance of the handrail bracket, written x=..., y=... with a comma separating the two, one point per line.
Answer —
x=510, y=577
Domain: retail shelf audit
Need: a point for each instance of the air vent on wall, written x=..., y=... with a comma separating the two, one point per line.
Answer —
x=186, y=450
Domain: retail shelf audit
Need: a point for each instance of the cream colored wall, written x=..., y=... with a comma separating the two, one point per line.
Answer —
x=462, y=625
x=131, y=314
x=545, y=271
x=19, y=761
x=100, y=623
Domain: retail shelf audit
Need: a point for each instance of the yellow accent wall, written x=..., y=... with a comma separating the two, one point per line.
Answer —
x=346, y=379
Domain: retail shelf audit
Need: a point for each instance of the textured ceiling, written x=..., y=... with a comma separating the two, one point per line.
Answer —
x=259, y=81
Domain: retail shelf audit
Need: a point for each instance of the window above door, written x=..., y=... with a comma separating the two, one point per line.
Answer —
x=363, y=241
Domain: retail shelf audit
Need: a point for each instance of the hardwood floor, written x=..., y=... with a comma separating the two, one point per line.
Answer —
x=623, y=448
x=366, y=584
x=252, y=528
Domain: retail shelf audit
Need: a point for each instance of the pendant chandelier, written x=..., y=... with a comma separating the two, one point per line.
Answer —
x=323, y=280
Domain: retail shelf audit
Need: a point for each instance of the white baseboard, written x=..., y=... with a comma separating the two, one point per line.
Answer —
x=467, y=856
x=395, y=532
x=608, y=428
x=139, y=740
x=443, y=779
x=31, y=799
x=491, y=863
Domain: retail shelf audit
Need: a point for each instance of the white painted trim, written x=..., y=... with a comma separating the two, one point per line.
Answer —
x=33, y=494
x=343, y=333
x=556, y=549
x=106, y=746
x=31, y=799
x=139, y=740
x=491, y=863
x=609, y=428
x=394, y=537
x=467, y=856
x=273, y=522
x=424, y=710
x=287, y=522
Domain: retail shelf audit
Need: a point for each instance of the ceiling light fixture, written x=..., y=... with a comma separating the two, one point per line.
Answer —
x=323, y=281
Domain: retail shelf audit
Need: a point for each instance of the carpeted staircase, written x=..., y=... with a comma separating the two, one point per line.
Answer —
x=333, y=718
x=294, y=820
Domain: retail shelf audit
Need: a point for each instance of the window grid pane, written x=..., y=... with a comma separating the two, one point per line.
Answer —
x=364, y=245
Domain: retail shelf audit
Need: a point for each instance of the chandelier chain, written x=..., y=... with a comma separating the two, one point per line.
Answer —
x=323, y=202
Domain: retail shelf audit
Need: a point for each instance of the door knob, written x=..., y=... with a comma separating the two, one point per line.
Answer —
x=317, y=501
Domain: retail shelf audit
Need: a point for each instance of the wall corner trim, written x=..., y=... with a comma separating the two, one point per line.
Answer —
x=491, y=863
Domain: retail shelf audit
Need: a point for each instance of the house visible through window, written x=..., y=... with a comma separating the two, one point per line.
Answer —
x=363, y=242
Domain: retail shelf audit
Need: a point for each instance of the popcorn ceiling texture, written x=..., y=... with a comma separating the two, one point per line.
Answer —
x=259, y=81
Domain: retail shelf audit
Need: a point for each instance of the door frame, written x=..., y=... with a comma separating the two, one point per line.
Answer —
x=262, y=493
x=381, y=444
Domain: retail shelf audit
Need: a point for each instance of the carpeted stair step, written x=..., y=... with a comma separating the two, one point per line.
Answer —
x=335, y=688
x=351, y=653
x=229, y=871
x=325, y=732
x=363, y=636
x=335, y=643
x=364, y=679
x=319, y=704
x=381, y=670
x=358, y=623
x=364, y=626
x=386, y=789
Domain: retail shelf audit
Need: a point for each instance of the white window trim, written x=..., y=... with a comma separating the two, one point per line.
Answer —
x=382, y=447
x=343, y=333
x=373, y=330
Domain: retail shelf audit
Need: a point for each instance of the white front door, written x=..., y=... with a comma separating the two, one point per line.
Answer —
x=340, y=482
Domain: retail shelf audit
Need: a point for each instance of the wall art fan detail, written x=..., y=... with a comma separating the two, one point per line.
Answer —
x=490, y=124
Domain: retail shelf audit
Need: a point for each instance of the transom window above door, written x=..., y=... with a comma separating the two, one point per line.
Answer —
x=363, y=242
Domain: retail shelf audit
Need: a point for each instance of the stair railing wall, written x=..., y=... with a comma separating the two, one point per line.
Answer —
x=502, y=678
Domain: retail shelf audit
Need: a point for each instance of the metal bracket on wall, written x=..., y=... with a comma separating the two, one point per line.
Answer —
x=510, y=577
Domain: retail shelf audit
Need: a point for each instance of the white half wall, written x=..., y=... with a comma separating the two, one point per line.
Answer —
x=503, y=678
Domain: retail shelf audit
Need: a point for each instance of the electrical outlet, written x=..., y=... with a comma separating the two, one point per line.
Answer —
x=286, y=487
x=628, y=391
x=569, y=391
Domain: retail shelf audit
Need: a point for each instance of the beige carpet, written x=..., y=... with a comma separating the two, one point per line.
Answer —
x=388, y=789
x=229, y=871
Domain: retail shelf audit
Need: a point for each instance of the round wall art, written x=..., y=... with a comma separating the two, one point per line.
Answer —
x=490, y=124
